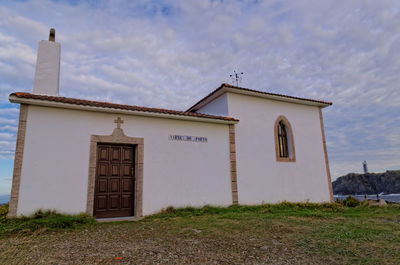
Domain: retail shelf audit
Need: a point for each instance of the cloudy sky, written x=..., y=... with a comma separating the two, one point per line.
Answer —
x=172, y=53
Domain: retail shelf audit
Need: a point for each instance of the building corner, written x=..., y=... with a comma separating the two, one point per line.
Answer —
x=328, y=172
x=233, y=171
x=19, y=154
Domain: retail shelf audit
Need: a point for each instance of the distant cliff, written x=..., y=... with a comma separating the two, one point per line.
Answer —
x=369, y=183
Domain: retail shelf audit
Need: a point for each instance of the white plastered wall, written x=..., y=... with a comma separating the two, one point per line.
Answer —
x=218, y=106
x=56, y=160
x=261, y=179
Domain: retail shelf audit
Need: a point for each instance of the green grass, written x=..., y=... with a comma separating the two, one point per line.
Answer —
x=335, y=233
x=40, y=221
x=265, y=211
x=350, y=235
x=312, y=210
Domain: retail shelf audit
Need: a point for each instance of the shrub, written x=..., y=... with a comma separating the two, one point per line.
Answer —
x=351, y=202
x=168, y=210
x=3, y=212
x=40, y=221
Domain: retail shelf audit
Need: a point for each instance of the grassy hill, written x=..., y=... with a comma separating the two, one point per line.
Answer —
x=285, y=233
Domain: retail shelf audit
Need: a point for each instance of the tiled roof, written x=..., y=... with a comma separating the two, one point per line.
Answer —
x=224, y=85
x=115, y=106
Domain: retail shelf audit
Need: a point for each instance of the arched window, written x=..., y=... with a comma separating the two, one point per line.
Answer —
x=284, y=142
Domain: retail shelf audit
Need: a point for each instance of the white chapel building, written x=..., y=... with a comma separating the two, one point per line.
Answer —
x=234, y=146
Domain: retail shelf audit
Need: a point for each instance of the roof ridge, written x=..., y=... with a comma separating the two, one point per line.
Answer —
x=277, y=94
x=105, y=104
x=256, y=91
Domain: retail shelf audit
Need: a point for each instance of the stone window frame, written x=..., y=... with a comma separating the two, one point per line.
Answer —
x=290, y=137
x=117, y=137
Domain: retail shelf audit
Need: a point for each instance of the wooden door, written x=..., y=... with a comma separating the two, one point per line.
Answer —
x=115, y=179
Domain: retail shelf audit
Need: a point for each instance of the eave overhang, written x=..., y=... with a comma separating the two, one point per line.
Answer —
x=143, y=111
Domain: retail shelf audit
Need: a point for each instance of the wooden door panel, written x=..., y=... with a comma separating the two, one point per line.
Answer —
x=126, y=201
x=115, y=153
x=126, y=170
x=127, y=154
x=115, y=169
x=126, y=184
x=101, y=202
x=102, y=169
x=101, y=186
x=114, y=185
x=103, y=153
x=114, y=201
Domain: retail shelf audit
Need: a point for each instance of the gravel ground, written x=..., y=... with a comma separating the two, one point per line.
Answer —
x=172, y=241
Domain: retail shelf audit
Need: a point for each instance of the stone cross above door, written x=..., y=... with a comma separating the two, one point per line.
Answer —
x=118, y=121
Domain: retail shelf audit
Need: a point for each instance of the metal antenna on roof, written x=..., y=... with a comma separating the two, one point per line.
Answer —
x=236, y=77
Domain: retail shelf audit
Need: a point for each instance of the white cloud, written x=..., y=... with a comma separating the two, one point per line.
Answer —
x=172, y=53
x=7, y=136
x=8, y=121
x=9, y=111
x=8, y=128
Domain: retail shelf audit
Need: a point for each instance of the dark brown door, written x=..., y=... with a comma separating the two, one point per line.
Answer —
x=115, y=178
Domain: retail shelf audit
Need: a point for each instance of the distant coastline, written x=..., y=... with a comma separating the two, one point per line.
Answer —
x=368, y=184
x=386, y=197
x=5, y=198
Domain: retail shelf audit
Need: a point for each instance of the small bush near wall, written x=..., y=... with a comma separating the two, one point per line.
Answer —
x=40, y=221
x=350, y=202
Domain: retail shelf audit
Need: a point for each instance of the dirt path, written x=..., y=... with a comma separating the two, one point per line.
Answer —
x=159, y=242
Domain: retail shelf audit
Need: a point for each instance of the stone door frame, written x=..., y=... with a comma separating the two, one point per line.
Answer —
x=117, y=137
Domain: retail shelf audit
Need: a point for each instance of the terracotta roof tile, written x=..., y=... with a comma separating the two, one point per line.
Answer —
x=255, y=91
x=116, y=106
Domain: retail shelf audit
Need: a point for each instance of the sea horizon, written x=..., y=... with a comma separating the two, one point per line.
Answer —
x=392, y=197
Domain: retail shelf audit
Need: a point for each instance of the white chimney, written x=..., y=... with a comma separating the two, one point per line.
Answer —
x=47, y=75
